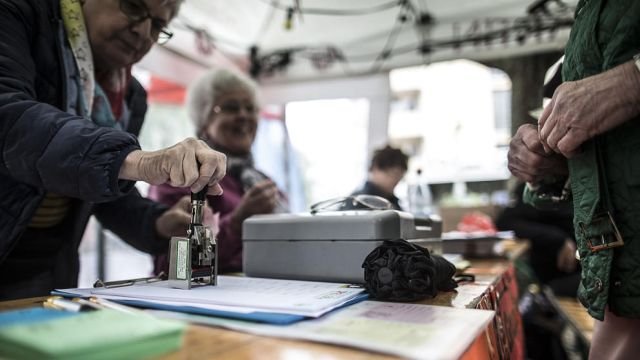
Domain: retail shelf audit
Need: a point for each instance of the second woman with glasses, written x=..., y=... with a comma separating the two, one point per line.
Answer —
x=223, y=107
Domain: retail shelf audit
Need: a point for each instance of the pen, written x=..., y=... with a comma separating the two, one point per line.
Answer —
x=88, y=303
x=115, y=306
x=128, y=282
x=60, y=303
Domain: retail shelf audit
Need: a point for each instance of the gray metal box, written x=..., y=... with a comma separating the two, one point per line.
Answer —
x=326, y=246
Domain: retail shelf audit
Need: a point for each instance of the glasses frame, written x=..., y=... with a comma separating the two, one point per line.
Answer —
x=164, y=34
x=355, y=201
x=220, y=109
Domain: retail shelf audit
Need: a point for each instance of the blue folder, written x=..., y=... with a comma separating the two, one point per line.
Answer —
x=31, y=315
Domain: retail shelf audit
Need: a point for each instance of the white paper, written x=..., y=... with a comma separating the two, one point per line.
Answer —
x=306, y=298
x=408, y=330
x=458, y=235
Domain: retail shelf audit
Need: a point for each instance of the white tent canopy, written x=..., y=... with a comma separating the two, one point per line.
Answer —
x=330, y=38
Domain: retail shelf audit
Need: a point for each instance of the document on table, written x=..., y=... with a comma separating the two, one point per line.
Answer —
x=407, y=330
x=305, y=298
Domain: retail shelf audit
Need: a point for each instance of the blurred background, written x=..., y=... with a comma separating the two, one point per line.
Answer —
x=448, y=82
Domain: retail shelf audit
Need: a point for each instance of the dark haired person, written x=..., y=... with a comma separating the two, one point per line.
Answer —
x=388, y=166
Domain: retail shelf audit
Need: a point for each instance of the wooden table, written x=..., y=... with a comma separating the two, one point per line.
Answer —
x=486, y=292
x=578, y=317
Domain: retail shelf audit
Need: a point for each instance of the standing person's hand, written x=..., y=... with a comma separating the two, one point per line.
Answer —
x=189, y=163
x=259, y=199
x=580, y=110
x=528, y=160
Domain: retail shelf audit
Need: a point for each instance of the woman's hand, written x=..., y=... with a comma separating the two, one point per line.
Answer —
x=580, y=110
x=189, y=163
x=527, y=159
x=262, y=198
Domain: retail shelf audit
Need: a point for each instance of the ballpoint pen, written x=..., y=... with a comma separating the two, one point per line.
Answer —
x=128, y=282
x=88, y=303
x=115, y=306
x=60, y=303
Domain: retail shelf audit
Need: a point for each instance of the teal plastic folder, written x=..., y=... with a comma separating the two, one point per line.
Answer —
x=102, y=334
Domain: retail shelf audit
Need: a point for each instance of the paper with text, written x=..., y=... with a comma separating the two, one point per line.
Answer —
x=407, y=330
x=305, y=298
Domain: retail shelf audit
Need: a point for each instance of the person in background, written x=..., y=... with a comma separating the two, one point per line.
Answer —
x=388, y=166
x=588, y=135
x=552, y=239
x=223, y=107
x=70, y=110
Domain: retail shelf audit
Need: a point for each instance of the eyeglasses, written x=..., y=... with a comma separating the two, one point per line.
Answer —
x=234, y=108
x=356, y=202
x=137, y=12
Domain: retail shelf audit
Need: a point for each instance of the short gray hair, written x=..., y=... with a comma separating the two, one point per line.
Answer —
x=203, y=93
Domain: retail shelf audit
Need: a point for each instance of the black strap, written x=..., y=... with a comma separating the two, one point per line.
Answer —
x=602, y=177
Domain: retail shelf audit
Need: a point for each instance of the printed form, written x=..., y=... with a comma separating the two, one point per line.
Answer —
x=305, y=298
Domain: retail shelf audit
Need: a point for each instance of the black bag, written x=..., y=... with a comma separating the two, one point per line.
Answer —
x=400, y=271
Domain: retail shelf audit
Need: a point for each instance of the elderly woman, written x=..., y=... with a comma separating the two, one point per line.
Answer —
x=222, y=105
x=70, y=111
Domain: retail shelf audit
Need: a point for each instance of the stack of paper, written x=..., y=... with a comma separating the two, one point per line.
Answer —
x=102, y=334
x=256, y=299
x=407, y=330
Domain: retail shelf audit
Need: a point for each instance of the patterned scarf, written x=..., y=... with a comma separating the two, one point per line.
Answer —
x=102, y=100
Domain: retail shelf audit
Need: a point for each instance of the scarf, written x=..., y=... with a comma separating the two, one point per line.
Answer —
x=102, y=101
x=103, y=95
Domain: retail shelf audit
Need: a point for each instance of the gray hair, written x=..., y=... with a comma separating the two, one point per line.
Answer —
x=203, y=93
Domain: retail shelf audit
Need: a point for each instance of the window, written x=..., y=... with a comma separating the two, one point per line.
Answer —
x=461, y=123
x=328, y=137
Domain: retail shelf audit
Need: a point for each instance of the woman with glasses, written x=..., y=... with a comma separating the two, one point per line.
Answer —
x=223, y=107
x=69, y=111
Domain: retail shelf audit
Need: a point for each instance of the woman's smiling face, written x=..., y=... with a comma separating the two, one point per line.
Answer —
x=233, y=121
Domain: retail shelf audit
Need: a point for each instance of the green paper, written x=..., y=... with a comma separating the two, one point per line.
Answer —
x=102, y=334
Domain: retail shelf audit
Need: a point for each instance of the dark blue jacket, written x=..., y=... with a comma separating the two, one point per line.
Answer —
x=43, y=148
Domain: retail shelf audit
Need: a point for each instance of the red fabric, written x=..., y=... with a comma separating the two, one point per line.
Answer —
x=166, y=92
x=115, y=87
x=476, y=221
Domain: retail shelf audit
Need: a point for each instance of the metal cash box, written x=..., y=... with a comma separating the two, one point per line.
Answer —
x=328, y=246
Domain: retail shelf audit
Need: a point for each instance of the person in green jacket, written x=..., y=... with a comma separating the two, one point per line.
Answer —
x=590, y=135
